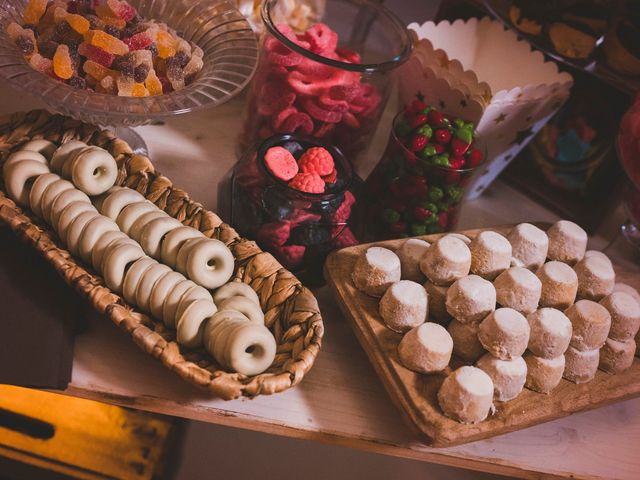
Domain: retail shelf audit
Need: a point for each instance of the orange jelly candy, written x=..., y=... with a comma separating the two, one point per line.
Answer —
x=97, y=71
x=153, y=83
x=105, y=14
x=62, y=63
x=34, y=11
x=166, y=44
x=106, y=42
x=78, y=23
x=139, y=90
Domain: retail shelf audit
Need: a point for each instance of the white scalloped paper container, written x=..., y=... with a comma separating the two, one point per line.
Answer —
x=482, y=72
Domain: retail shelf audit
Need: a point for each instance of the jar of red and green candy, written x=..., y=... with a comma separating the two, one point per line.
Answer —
x=329, y=81
x=418, y=185
x=295, y=196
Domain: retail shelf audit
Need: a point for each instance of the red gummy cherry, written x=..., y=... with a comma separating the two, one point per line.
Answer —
x=474, y=158
x=416, y=106
x=418, y=142
x=398, y=227
x=436, y=119
x=421, y=213
x=443, y=219
x=439, y=148
x=418, y=120
x=456, y=162
x=458, y=147
x=281, y=163
x=442, y=136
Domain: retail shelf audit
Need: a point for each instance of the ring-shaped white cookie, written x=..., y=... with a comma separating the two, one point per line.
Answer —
x=73, y=233
x=153, y=233
x=98, y=200
x=19, y=156
x=160, y=291
x=131, y=213
x=50, y=193
x=191, y=323
x=64, y=199
x=217, y=335
x=37, y=189
x=16, y=179
x=196, y=292
x=183, y=254
x=94, y=171
x=250, y=349
x=115, y=262
x=95, y=229
x=68, y=163
x=114, y=203
x=145, y=286
x=170, y=304
x=135, y=231
x=69, y=214
x=97, y=253
x=235, y=289
x=210, y=263
x=215, y=323
x=133, y=276
x=42, y=146
x=173, y=242
x=60, y=156
x=244, y=305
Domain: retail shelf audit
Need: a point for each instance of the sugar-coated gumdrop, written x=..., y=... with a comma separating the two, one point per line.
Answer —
x=153, y=84
x=141, y=57
x=175, y=74
x=281, y=163
x=316, y=160
x=97, y=71
x=34, y=11
x=96, y=54
x=62, y=63
x=138, y=41
x=121, y=9
x=107, y=42
x=311, y=67
x=41, y=64
x=78, y=23
x=329, y=103
x=166, y=44
x=324, y=129
x=139, y=90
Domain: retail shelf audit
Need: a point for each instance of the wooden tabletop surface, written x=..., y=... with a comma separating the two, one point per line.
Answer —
x=341, y=401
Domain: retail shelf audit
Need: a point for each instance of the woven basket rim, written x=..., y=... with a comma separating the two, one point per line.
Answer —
x=291, y=310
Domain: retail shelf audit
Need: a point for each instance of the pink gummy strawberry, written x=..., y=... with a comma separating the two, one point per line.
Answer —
x=331, y=178
x=415, y=107
x=348, y=55
x=418, y=142
x=281, y=163
x=290, y=255
x=308, y=183
x=436, y=119
x=442, y=136
x=418, y=120
x=316, y=160
x=274, y=234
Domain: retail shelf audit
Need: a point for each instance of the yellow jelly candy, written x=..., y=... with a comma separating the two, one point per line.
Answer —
x=106, y=42
x=105, y=14
x=34, y=11
x=97, y=71
x=78, y=23
x=62, y=63
x=153, y=83
x=166, y=44
x=139, y=90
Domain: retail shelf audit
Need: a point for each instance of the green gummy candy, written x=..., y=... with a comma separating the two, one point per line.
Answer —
x=458, y=122
x=442, y=160
x=426, y=130
x=389, y=215
x=417, y=229
x=436, y=193
x=464, y=134
x=428, y=151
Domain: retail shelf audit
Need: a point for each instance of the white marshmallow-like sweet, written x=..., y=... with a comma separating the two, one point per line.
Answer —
x=518, y=288
x=410, y=254
x=581, y=365
x=598, y=254
x=466, y=395
x=504, y=333
x=625, y=315
x=596, y=278
x=550, y=332
x=376, y=270
x=404, y=306
x=590, y=323
x=559, y=285
x=543, y=374
x=508, y=376
x=470, y=299
x=529, y=246
x=615, y=356
x=437, y=298
x=446, y=260
x=426, y=348
x=466, y=344
x=490, y=254
x=567, y=242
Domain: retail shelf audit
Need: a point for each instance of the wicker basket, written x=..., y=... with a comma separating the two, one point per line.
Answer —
x=291, y=311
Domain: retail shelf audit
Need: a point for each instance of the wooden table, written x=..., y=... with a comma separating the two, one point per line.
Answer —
x=341, y=401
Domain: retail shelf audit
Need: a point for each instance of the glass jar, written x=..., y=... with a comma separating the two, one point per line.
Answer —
x=296, y=227
x=407, y=196
x=330, y=81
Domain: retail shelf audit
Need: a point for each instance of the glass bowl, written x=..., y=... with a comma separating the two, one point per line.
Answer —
x=230, y=58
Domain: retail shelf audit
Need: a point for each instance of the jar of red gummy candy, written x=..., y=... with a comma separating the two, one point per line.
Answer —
x=418, y=185
x=329, y=81
x=294, y=196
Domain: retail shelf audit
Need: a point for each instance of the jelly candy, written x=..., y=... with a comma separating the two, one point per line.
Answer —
x=166, y=44
x=107, y=85
x=41, y=64
x=48, y=19
x=105, y=14
x=97, y=71
x=78, y=23
x=140, y=73
x=298, y=122
x=24, y=38
x=141, y=57
x=194, y=65
x=108, y=43
x=96, y=54
x=125, y=86
x=122, y=9
x=124, y=65
x=153, y=84
x=319, y=113
x=281, y=163
x=321, y=38
x=139, y=90
x=175, y=74
x=275, y=97
x=34, y=11
x=138, y=41
x=280, y=117
x=62, y=63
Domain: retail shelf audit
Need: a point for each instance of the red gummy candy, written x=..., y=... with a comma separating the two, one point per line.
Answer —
x=274, y=234
x=122, y=9
x=290, y=255
x=319, y=113
x=298, y=122
x=311, y=67
x=436, y=119
x=283, y=56
x=398, y=227
x=418, y=142
x=343, y=212
x=307, y=182
x=139, y=41
x=475, y=158
x=421, y=213
x=343, y=237
x=348, y=55
x=299, y=217
x=415, y=107
x=368, y=97
x=456, y=162
x=442, y=136
x=96, y=54
x=316, y=160
x=321, y=38
x=274, y=97
x=331, y=178
x=281, y=163
x=350, y=120
x=458, y=147
x=418, y=120
x=328, y=103
x=443, y=219
x=288, y=32
x=280, y=117
x=344, y=92
x=324, y=129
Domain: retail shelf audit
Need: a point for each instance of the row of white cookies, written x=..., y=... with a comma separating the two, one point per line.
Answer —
x=154, y=287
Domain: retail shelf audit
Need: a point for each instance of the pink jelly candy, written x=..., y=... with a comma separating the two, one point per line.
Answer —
x=122, y=9
x=321, y=38
x=281, y=163
x=96, y=54
x=324, y=129
x=138, y=41
x=348, y=55
x=326, y=101
x=284, y=56
x=280, y=117
x=274, y=97
x=319, y=113
x=298, y=122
